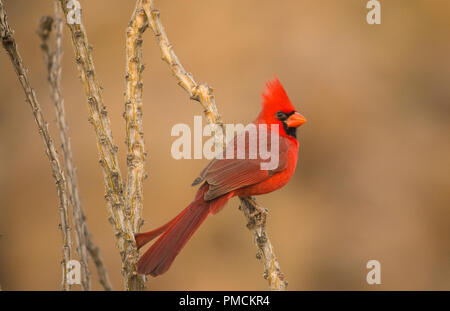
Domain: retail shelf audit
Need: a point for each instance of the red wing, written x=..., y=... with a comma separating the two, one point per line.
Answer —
x=225, y=175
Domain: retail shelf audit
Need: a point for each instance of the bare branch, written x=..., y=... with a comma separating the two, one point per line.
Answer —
x=198, y=92
x=96, y=255
x=10, y=46
x=133, y=115
x=256, y=223
x=52, y=59
x=115, y=196
x=204, y=95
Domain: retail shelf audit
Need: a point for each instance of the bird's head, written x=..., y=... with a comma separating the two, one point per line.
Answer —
x=278, y=109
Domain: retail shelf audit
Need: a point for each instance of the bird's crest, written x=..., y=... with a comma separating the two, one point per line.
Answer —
x=274, y=98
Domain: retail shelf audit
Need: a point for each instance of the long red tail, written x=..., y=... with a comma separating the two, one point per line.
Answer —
x=175, y=234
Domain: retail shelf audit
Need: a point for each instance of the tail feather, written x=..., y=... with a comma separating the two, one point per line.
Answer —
x=159, y=257
x=176, y=233
x=145, y=237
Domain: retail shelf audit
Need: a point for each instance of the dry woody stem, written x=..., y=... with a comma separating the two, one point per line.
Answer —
x=133, y=115
x=204, y=95
x=198, y=92
x=10, y=46
x=256, y=223
x=97, y=258
x=115, y=192
x=83, y=239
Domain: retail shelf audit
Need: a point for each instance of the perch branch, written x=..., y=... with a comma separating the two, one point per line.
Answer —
x=256, y=223
x=204, y=95
x=98, y=117
x=83, y=238
x=198, y=92
x=133, y=115
x=9, y=43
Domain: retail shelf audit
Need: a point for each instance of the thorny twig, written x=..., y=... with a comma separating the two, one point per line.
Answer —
x=133, y=115
x=83, y=238
x=204, y=95
x=198, y=92
x=97, y=258
x=115, y=193
x=10, y=46
x=52, y=60
x=256, y=223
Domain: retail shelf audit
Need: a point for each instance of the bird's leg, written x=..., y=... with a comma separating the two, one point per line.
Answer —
x=256, y=215
x=257, y=208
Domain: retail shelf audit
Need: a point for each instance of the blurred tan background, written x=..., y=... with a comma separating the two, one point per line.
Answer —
x=374, y=169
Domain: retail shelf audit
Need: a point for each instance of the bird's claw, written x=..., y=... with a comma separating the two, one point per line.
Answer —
x=257, y=208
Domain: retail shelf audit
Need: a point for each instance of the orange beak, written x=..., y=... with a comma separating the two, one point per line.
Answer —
x=295, y=120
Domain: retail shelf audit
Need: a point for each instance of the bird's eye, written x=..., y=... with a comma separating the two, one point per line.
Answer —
x=281, y=115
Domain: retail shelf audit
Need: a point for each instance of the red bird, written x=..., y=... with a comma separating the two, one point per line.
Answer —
x=226, y=178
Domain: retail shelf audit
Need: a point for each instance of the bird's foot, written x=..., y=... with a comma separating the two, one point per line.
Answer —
x=257, y=208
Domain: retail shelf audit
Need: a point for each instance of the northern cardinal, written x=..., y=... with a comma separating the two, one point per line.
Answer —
x=225, y=178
